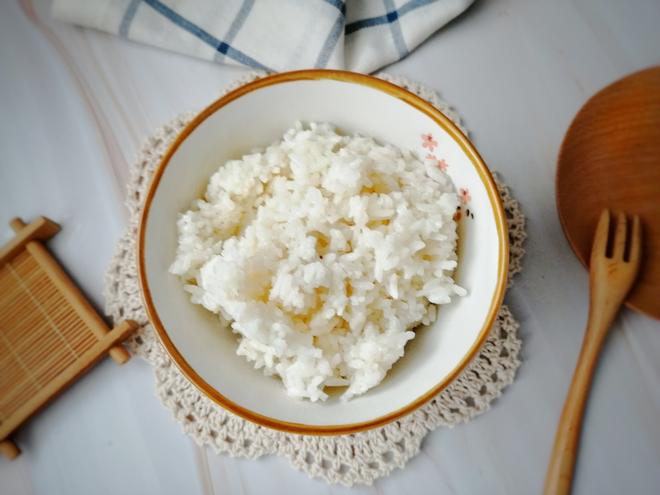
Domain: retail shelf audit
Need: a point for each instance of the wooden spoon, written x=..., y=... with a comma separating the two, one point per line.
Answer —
x=610, y=158
x=611, y=275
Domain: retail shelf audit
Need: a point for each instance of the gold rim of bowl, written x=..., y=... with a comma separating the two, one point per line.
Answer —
x=417, y=103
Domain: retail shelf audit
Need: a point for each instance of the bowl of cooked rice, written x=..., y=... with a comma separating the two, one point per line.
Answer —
x=322, y=252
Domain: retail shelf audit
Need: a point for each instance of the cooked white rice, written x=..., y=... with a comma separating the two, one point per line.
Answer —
x=322, y=252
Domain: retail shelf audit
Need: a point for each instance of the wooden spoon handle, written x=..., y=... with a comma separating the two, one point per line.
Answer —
x=562, y=460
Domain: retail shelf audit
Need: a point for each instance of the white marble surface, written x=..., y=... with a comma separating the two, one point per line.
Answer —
x=74, y=106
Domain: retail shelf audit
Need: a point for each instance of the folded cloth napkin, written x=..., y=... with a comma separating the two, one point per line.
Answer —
x=273, y=35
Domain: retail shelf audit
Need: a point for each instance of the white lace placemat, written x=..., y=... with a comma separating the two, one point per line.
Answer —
x=348, y=459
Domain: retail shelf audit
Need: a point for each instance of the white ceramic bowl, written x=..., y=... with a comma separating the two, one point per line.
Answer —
x=256, y=115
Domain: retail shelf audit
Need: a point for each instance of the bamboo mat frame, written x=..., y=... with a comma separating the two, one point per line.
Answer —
x=49, y=333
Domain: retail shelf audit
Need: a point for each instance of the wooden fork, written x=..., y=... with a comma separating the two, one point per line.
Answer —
x=610, y=279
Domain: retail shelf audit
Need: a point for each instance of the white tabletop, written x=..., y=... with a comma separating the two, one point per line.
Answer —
x=75, y=105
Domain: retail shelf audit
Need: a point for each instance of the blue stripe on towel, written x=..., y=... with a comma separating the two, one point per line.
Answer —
x=338, y=4
x=395, y=28
x=387, y=18
x=127, y=19
x=236, y=25
x=206, y=37
x=331, y=41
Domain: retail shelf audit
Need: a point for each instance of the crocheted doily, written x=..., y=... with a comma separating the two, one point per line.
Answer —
x=349, y=459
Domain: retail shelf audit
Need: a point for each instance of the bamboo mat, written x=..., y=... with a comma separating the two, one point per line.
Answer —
x=49, y=332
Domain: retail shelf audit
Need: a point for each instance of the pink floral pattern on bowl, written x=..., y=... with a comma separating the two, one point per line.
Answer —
x=429, y=143
x=438, y=162
x=464, y=195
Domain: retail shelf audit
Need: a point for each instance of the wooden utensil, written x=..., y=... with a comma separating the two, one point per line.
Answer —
x=610, y=158
x=49, y=333
x=614, y=265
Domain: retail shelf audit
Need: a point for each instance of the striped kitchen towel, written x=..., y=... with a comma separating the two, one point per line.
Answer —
x=274, y=35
